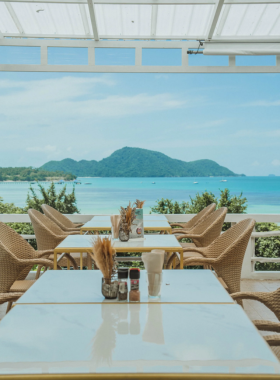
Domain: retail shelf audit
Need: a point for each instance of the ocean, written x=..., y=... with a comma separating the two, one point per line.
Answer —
x=106, y=195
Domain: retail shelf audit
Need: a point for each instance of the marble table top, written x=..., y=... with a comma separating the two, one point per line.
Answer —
x=132, y=338
x=76, y=243
x=74, y=286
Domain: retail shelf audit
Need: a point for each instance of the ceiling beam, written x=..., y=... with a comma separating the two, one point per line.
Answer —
x=214, y=19
x=93, y=19
x=14, y=17
x=84, y=19
x=154, y=20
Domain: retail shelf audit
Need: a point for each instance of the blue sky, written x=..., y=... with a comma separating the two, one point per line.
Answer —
x=232, y=119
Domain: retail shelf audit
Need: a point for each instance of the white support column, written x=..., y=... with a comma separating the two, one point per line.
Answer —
x=246, y=271
x=44, y=55
x=185, y=57
x=14, y=17
x=138, y=56
x=231, y=60
x=91, y=56
x=215, y=17
x=93, y=19
x=154, y=20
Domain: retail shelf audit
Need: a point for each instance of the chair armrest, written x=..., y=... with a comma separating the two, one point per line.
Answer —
x=273, y=340
x=267, y=325
x=73, y=233
x=38, y=261
x=187, y=236
x=199, y=261
x=79, y=224
x=47, y=253
x=10, y=297
x=257, y=296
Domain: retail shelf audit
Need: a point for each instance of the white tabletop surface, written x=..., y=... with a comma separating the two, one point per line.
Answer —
x=157, y=224
x=145, y=217
x=74, y=286
x=150, y=241
x=130, y=338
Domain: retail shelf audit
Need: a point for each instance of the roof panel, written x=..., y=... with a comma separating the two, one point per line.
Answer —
x=250, y=20
x=123, y=20
x=183, y=20
x=7, y=24
x=42, y=18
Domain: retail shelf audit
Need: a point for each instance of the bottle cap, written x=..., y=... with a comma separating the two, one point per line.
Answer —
x=123, y=273
x=134, y=273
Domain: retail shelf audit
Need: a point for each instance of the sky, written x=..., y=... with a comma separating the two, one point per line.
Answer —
x=233, y=119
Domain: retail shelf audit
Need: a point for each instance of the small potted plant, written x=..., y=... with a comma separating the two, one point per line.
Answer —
x=127, y=217
x=104, y=256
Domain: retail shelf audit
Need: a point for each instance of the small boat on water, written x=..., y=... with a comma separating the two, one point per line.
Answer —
x=153, y=183
x=195, y=182
x=223, y=180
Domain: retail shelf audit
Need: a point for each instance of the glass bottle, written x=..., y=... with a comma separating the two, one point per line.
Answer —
x=122, y=279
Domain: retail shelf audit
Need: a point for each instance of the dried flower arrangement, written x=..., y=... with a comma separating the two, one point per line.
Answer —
x=127, y=217
x=139, y=204
x=104, y=257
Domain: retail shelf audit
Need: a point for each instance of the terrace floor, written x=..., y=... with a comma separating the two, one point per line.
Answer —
x=254, y=309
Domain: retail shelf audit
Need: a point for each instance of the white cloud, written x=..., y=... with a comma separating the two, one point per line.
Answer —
x=44, y=149
x=275, y=162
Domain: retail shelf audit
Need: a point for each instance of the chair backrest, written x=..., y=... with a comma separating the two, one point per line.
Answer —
x=56, y=216
x=17, y=245
x=229, y=249
x=201, y=215
x=46, y=231
x=209, y=228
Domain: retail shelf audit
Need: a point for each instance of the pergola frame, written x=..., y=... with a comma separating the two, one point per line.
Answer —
x=95, y=40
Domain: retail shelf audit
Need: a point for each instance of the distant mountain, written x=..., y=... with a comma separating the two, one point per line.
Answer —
x=136, y=162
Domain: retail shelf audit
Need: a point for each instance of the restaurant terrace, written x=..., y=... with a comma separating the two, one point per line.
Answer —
x=68, y=311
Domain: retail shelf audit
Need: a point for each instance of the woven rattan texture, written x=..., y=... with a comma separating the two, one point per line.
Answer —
x=195, y=220
x=61, y=220
x=49, y=235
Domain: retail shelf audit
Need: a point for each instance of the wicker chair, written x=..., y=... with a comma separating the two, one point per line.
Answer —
x=226, y=254
x=270, y=300
x=17, y=257
x=49, y=235
x=62, y=221
x=195, y=220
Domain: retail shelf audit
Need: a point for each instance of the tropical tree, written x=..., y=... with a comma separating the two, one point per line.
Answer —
x=61, y=201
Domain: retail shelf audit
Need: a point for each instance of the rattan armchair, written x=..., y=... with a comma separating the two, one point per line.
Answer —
x=15, y=260
x=49, y=235
x=225, y=255
x=61, y=220
x=23, y=250
x=270, y=300
x=195, y=220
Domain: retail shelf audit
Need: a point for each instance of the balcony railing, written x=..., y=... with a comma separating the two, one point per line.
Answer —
x=248, y=269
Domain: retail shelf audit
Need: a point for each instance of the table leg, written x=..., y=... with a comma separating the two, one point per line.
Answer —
x=81, y=260
x=181, y=260
x=89, y=262
x=174, y=263
x=55, y=260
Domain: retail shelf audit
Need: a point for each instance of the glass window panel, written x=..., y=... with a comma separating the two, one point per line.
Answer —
x=115, y=56
x=255, y=60
x=161, y=57
x=20, y=55
x=67, y=56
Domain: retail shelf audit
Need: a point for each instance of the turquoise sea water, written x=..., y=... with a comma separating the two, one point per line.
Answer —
x=106, y=195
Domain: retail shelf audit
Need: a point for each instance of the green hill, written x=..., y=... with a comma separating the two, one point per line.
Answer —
x=136, y=162
x=32, y=174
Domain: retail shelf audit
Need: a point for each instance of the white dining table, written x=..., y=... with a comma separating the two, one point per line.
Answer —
x=132, y=340
x=74, y=286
